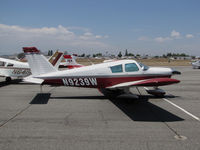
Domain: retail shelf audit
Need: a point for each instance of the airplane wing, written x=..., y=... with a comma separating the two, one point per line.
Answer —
x=31, y=79
x=148, y=82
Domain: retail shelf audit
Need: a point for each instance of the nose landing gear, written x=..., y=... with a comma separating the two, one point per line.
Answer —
x=156, y=92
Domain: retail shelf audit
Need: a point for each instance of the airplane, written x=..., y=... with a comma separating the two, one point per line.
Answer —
x=16, y=69
x=12, y=68
x=69, y=62
x=196, y=65
x=113, y=78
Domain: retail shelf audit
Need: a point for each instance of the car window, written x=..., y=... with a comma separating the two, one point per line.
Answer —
x=131, y=67
x=116, y=69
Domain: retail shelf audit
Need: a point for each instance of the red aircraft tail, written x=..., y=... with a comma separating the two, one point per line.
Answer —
x=70, y=62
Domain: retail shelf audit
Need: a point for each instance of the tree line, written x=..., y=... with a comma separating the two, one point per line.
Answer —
x=126, y=54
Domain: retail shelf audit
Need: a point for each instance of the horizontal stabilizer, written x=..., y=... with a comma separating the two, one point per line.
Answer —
x=31, y=79
x=30, y=50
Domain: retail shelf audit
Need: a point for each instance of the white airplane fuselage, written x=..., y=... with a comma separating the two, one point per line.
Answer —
x=12, y=68
x=103, y=75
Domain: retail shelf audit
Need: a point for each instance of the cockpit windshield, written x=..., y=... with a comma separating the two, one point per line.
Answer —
x=144, y=67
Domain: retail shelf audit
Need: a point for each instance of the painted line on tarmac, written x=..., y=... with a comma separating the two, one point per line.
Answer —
x=10, y=119
x=185, y=111
x=20, y=112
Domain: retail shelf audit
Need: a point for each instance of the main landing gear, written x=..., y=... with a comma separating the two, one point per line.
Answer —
x=8, y=79
x=125, y=93
x=118, y=93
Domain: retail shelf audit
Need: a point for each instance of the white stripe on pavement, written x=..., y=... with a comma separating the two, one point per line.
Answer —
x=193, y=116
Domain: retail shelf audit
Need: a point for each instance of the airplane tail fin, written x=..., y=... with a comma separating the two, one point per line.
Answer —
x=37, y=62
x=70, y=62
x=55, y=59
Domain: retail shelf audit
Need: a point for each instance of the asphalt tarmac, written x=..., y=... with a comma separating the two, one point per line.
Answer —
x=77, y=118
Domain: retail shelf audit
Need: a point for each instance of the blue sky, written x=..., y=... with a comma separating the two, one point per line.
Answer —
x=89, y=26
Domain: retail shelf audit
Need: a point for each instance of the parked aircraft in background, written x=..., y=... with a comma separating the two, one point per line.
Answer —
x=12, y=68
x=196, y=64
x=69, y=62
x=111, y=78
x=16, y=69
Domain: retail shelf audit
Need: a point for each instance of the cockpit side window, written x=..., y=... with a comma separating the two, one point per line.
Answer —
x=131, y=67
x=116, y=69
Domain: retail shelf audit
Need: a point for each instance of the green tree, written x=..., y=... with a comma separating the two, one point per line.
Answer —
x=138, y=55
x=126, y=53
x=99, y=54
x=120, y=54
x=130, y=54
x=164, y=56
x=88, y=56
x=83, y=55
x=48, y=52
x=20, y=55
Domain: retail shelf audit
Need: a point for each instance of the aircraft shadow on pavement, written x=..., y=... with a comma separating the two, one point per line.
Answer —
x=41, y=98
x=136, y=109
x=15, y=81
x=166, y=96
x=142, y=110
x=81, y=97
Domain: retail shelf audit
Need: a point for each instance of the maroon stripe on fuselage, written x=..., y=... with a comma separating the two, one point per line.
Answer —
x=101, y=82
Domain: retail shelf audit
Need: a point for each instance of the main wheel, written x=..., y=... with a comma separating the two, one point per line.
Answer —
x=8, y=79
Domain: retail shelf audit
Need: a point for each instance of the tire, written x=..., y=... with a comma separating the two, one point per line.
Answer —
x=8, y=79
